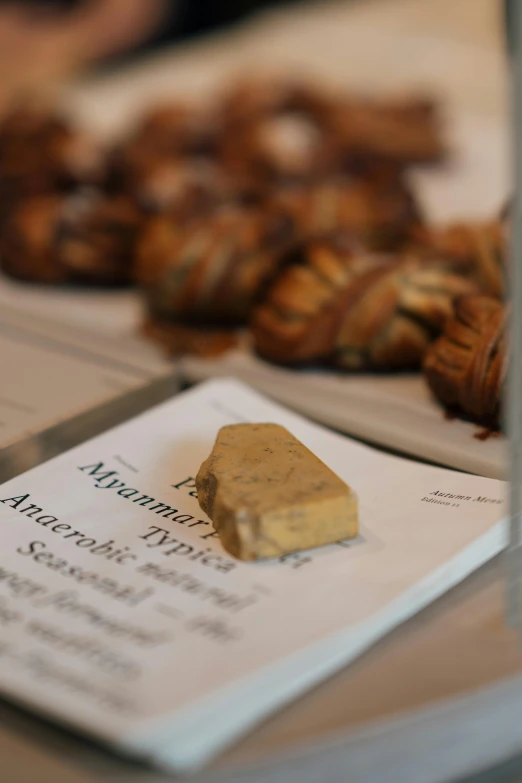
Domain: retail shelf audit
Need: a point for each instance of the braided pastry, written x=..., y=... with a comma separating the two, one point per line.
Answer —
x=253, y=98
x=355, y=311
x=466, y=367
x=381, y=214
x=41, y=153
x=212, y=270
x=168, y=135
x=172, y=130
x=184, y=188
x=179, y=339
x=279, y=131
x=406, y=131
x=476, y=250
x=179, y=129
x=82, y=238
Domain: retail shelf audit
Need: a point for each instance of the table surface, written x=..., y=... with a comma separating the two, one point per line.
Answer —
x=460, y=643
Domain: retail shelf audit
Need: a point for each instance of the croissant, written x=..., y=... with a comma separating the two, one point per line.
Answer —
x=354, y=311
x=209, y=271
x=478, y=250
x=381, y=214
x=466, y=367
x=82, y=238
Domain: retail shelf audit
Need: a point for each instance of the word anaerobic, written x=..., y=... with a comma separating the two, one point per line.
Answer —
x=154, y=537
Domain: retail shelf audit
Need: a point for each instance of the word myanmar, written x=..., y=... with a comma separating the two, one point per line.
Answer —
x=109, y=479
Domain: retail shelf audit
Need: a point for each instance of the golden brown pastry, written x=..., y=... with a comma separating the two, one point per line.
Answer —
x=84, y=238
x=278, y=130
x=477, y=250
x=179, y=129
x=209, y=271
x=354, y=311
x=406, y=131
x=294, y=130
x=466, y=367
x=179, y=339
x=41, y=153
x=256, y=97
x=184, y=187
x=165, y=136
x=381, y=214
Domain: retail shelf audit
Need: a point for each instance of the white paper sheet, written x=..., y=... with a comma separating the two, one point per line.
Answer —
x=122, y=615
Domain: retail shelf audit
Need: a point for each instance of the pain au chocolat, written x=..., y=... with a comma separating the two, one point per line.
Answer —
x=353, y=310
x=466, y=367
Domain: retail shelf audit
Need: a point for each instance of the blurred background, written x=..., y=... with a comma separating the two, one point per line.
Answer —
x=42, y=40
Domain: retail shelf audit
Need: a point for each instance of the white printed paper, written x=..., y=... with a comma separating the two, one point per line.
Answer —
x=122, y=616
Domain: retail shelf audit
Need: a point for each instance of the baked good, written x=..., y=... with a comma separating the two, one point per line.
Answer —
x=466, y=367
x=288, y=130
x=380, y=213
x=179, y=129
x=182, y=187
x=279, y=131
x=354, y=311
x=165, y=135
x=40, y=152
x=478, y=250
x=177, y=339
x=211, y=270
x=254, y=97
x=83, y=237
x=404, y=130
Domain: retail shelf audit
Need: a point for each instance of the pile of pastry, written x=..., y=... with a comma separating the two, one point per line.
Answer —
x=281, y=208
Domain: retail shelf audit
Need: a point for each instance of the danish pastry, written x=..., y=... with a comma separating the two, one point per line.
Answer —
x=354, y=311
x=466, y=367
